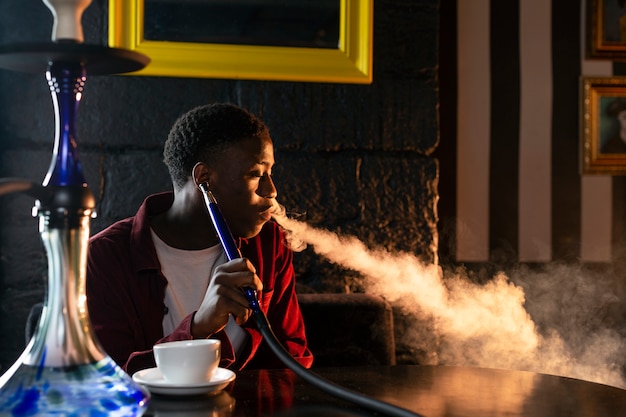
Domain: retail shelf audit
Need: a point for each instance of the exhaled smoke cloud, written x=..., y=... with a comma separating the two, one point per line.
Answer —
x=460, y=322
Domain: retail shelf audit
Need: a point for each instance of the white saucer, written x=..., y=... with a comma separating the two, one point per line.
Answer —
x=152, y=379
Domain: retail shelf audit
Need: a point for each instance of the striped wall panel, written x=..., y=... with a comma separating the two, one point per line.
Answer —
x=519, y=192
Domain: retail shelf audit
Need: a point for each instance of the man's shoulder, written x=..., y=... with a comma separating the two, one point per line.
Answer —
x=117, y=231
x=120, y=227
x=123, y=229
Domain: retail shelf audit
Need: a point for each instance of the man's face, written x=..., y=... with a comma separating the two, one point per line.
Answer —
x=242, y=185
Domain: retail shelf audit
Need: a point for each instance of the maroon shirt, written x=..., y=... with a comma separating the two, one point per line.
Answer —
x=125, y=293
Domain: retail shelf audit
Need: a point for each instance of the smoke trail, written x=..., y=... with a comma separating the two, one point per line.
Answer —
x=482, y=325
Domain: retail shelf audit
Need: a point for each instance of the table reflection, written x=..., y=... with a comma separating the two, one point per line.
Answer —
x=220, y=404
x=449, y=391
x=431, y=391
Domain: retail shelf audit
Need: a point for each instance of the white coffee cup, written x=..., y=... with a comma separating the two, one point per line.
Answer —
x=188, y=361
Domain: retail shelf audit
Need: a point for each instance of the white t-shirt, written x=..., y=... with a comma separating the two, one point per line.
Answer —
x=188, y=273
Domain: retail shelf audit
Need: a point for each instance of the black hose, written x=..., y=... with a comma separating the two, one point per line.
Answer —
x=320, y=382
x=232, y=252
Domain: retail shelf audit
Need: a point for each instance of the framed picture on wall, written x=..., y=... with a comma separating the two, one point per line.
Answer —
x=606, y=29
x=604, y=125
x=328, y=41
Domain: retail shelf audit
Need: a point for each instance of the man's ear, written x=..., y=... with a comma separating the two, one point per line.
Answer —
x=201, y=173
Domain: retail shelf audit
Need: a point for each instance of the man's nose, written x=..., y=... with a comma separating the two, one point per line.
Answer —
x=268, y=189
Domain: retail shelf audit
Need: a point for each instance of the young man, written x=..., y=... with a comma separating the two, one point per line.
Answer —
x=162, y=275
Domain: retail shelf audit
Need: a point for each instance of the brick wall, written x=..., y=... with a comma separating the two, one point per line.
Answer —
x=355, y=158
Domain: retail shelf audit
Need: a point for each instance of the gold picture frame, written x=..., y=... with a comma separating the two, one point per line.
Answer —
x=604, y=125
x=606, y=30
x=351, y=62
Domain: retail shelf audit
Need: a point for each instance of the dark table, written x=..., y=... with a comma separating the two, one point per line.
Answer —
x=431, y=391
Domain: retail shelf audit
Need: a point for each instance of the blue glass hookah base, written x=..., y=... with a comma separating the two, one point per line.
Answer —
x=93, y=390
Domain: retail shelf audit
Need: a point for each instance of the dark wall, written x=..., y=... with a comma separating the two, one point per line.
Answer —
x=354, y=158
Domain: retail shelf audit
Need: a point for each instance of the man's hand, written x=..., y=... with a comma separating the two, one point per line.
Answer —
x=224, y=296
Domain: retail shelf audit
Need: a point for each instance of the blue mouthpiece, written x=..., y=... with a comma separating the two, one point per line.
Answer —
x=226, y=238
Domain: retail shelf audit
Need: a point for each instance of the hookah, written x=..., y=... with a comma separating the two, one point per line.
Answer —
x=64, y=370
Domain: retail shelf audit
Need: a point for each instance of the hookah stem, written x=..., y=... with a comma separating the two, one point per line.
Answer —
x=232, y=252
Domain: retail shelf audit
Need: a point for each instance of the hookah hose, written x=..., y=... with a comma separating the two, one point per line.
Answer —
x=232, y=252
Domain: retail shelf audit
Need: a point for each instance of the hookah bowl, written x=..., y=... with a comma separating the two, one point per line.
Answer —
x=64, y=370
